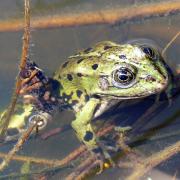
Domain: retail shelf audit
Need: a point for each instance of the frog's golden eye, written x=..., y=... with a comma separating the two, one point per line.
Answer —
x=123, y=77
x=150, y=52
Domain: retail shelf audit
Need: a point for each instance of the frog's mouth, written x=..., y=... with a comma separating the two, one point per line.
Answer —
x=109, y=96
x=131, y=94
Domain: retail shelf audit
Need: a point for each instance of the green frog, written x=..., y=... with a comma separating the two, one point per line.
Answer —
x=108, y=71
x=89, y=80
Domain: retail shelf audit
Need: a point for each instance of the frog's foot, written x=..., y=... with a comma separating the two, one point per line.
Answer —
x=103, y=159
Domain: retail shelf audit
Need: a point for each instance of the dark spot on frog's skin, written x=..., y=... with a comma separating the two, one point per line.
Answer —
x=80, y=60
x=97, y=150
x=69, y=77
x=55, y=87
x=90, y=57
x=88, y=50
x=59, y=77
x=107, y=47
x=66, y=97
x=79, y=93
x=96, y=96
x=79, y=74
x=65, y=64
x=94, y=66
x=74, y=102
x=88, y=136
x=122, y=56
x=86, y=98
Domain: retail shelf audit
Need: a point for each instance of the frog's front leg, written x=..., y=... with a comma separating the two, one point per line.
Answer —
x=82, y=124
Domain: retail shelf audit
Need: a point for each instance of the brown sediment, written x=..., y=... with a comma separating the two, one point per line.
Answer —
x=110, y=16
x=154, y=160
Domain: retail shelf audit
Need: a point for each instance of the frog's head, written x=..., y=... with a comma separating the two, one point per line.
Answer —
x=135, y=71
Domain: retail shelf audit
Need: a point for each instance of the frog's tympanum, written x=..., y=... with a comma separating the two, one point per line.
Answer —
x=90, y=79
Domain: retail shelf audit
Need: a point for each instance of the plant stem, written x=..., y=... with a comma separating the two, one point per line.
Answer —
x=25, y=50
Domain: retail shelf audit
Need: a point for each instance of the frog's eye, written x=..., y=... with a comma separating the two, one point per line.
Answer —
x=42, y=121
x=150, y=52
x=123, y=77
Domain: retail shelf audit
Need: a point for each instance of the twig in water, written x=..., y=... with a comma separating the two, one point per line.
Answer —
x=110, y=16
x=25, y=49
x=154, y=160
x=18, y=145
x=170, y=43
x=62, y=162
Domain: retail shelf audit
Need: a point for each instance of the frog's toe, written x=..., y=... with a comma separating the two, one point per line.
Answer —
x=104, y=163
x=100, y=163
x=103, y=159
x=121, y=129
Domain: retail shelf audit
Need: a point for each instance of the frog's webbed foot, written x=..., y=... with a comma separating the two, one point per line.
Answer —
x=103, y=159
x=100, y=162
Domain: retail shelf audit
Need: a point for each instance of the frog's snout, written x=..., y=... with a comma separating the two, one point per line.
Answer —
x=161, y=84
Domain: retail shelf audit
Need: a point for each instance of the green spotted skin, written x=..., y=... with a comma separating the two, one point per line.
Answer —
x=18, y=121
x=90, y=79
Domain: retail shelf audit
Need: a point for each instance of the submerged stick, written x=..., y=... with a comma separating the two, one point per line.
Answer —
x=170, y=43
x=154, y=160
x=58, y=163
x=36, y=160
x=18, y=145
x=110, y=16
x=25, y=49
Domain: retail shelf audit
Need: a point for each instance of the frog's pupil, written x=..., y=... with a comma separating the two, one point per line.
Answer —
x=123, y=77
